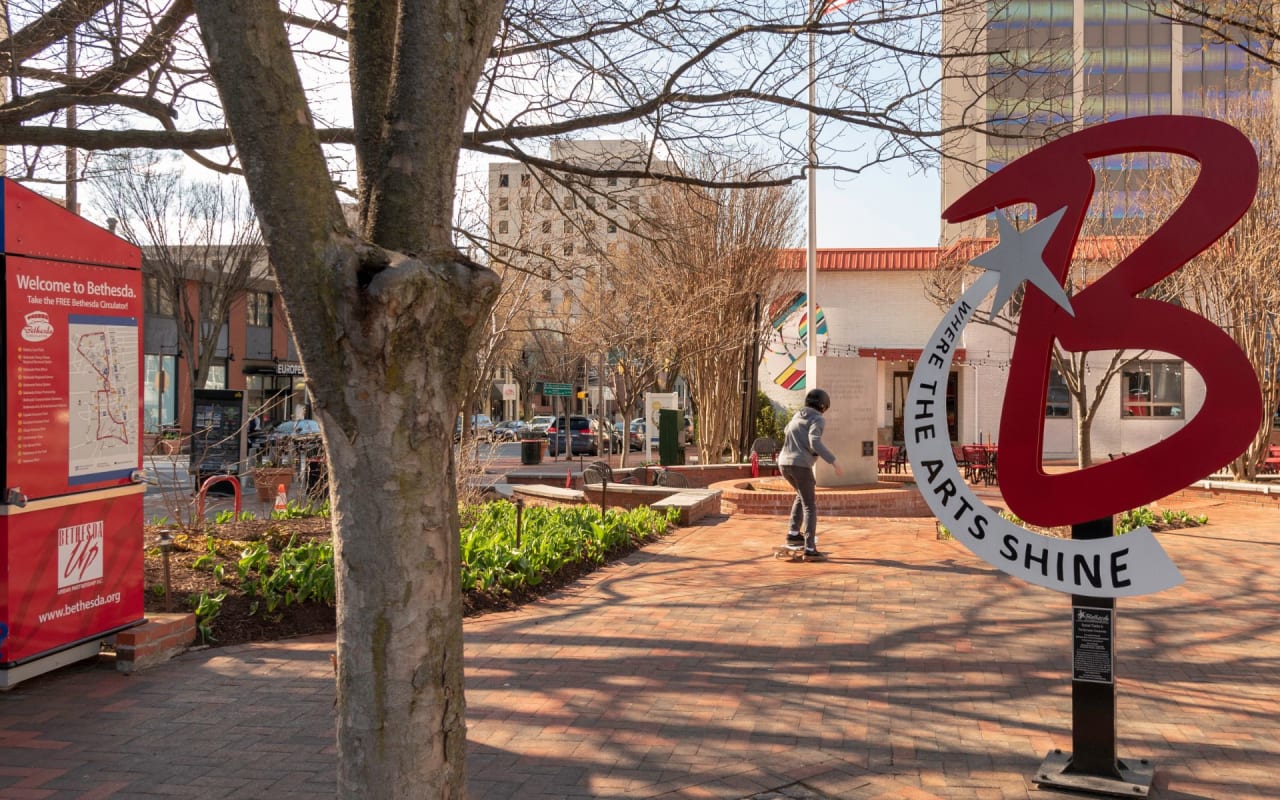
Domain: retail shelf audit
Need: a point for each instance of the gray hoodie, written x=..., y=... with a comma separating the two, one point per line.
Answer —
x=802, y=442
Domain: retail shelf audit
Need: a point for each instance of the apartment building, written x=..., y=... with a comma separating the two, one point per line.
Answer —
x=567, y=231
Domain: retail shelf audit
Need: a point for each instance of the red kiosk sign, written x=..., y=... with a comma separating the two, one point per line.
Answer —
x=71, y=511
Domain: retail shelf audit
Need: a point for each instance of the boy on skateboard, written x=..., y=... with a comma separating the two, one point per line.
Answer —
x=801, y=448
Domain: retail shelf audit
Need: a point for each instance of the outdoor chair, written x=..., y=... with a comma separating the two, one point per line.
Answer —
x=765, y=450
x=673, y=479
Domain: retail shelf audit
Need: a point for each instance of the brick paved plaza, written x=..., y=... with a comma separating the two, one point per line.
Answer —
x=701, y=667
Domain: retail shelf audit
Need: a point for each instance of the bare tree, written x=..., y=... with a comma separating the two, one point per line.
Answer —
x=385, y=310
x=191, y=233
x=716, y=253
x=1087, y=376
x=1236, y=282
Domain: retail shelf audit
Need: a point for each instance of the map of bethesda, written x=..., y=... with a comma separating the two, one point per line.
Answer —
x=102, y=431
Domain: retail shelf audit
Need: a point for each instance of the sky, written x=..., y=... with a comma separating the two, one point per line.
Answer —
x=880, y=208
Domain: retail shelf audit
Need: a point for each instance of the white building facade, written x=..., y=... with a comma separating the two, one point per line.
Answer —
x=873, y=304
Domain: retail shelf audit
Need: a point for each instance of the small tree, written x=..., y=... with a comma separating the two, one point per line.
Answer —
x=192, y=234
x=717, y=250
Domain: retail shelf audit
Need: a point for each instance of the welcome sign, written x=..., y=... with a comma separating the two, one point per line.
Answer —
x=1108, y=315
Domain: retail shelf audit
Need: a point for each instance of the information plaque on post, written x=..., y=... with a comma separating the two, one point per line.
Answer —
x=1094, y=566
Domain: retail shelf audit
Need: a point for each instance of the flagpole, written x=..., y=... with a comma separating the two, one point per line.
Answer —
x=811, y=252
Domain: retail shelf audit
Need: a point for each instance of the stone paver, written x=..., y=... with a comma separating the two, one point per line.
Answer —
x=701, y=667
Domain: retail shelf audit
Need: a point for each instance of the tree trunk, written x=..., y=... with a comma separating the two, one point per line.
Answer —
x=1084, y=447
x=387, y=342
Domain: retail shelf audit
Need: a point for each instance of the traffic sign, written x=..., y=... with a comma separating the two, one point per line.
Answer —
x=557, y=389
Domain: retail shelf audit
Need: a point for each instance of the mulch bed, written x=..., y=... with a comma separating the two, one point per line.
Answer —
x=236, y=625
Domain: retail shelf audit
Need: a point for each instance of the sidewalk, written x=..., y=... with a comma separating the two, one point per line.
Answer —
x=700, y=667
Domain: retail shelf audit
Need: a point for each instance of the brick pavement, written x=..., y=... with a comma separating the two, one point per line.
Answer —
x=702, y=668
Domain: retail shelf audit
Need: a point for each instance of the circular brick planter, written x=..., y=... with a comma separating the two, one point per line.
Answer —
x=887, y=498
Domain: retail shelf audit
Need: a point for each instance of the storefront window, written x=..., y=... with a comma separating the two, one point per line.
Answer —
x=1058, y=401
x=160, y=392
x=1152, y=389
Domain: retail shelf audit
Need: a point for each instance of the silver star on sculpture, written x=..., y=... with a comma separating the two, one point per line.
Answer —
x=1019, y=256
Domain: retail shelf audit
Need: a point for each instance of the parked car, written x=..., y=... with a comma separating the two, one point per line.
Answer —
x=635, y=437
x=291, y=441
x=295, y=427
x=481, y=427
x=510, y=430
x=540, y=423
x=583, y=437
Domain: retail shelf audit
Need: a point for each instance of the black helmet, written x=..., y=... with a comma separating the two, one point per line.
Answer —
x=817, y=399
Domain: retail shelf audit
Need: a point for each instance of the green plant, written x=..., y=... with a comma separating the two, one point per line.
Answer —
x=551, y=539
x=228, y=515
x=771, y=420
x=207, y=609
x=300, y=573
x=1133, y=519
x=295, y=510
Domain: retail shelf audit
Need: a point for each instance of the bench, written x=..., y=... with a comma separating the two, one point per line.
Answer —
x=549, y=495
x=691, y=505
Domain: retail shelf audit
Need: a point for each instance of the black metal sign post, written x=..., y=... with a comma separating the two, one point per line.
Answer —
x=1092, y=766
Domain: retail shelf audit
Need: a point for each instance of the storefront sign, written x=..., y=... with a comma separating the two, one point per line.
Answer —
x=288, y=368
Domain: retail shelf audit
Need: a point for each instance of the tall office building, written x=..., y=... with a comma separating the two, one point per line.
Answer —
x=1059, y=65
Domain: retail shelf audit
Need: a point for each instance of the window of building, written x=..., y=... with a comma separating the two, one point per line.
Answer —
x=570, y=201
x=568, y=248
x=524, y=179
x=566, y=227
x=1152, y=389
x=635, y=181
x=504, y=203
x=1058, y=401
x=545, y=202
x=217, y=375
x=155, y=299
x=546, y=226
x=159, y=392
x=503, y=226
x=611, y=181
x=257, y=309
x=504, y=180
x=613, y=202
x=612, y=227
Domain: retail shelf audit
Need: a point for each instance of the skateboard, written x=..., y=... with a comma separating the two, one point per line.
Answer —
x=795, y=552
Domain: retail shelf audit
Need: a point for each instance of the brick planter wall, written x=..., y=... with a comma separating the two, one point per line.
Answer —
x=155, y=641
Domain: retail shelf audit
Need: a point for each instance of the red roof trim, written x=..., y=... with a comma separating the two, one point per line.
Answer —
x=864, y=259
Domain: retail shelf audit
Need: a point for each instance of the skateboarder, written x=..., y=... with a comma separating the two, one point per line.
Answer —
x=801, y=448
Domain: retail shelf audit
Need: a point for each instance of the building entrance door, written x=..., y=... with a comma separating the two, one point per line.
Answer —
x=902, y=382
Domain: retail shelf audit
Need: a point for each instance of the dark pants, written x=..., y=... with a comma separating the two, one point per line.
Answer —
x=804, y=510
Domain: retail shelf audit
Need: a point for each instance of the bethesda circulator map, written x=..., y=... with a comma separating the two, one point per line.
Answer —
x=102, y=427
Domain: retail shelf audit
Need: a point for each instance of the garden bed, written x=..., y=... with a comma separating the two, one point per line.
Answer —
x=207, y=565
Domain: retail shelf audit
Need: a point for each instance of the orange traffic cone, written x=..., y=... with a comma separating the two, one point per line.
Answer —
x=282, y=500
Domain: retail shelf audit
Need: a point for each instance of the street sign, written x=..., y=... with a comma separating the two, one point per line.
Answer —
x=557, y=389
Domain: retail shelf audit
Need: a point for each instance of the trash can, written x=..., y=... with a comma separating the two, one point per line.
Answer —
x=531, y=451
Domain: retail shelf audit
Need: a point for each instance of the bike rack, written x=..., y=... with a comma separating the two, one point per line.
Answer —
x=204, y=487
